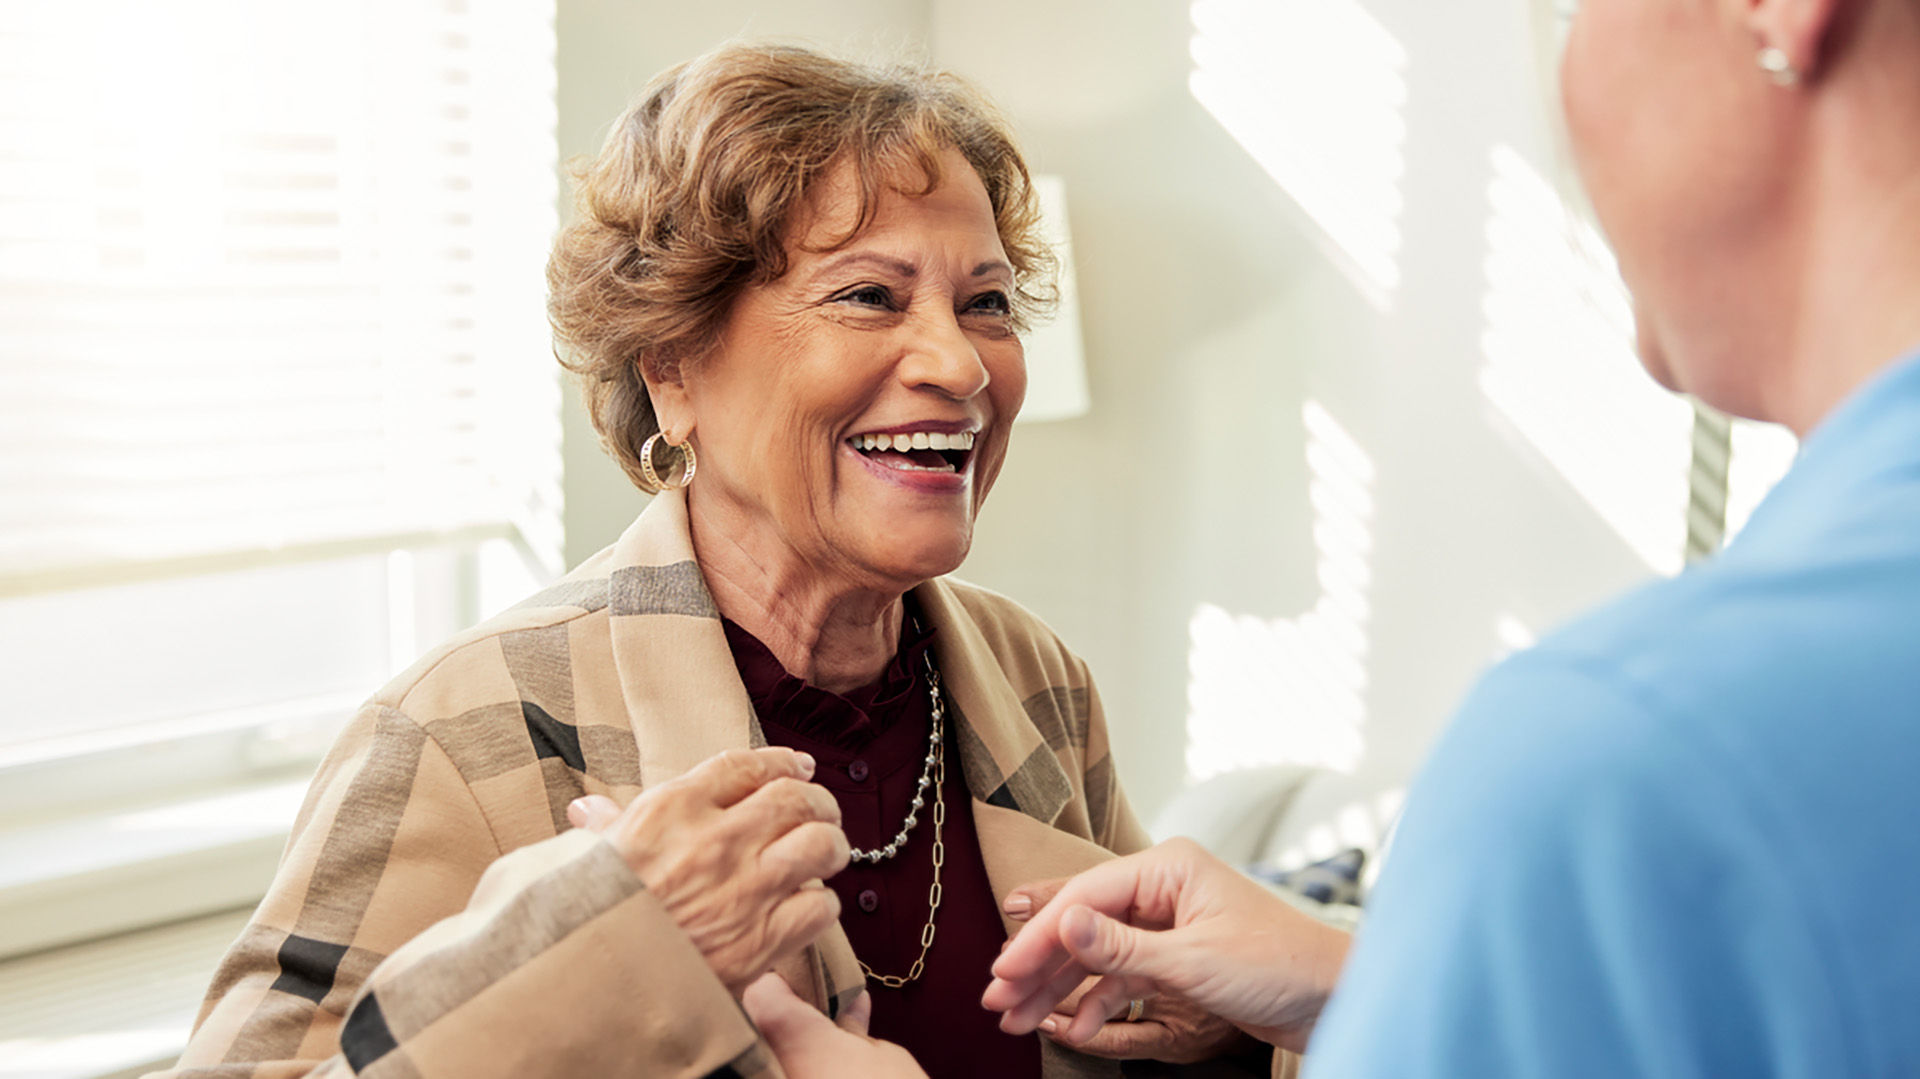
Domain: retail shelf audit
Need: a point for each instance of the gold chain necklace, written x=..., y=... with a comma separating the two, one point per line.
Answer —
x=939, y=760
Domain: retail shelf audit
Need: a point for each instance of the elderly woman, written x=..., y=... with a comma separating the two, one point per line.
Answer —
x=795, y=289
x=1675, y=838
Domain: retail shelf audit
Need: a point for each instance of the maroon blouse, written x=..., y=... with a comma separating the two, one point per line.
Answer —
x=871, y=744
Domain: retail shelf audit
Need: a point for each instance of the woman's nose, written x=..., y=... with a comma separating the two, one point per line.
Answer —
x=940, y=356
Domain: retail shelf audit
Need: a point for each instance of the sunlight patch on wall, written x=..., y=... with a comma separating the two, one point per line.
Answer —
x=1512, y=635
x=1559, y=365
x=1266, y=691
x=1314, y=90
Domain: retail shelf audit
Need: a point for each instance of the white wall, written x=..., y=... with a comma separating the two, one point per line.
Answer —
x=1216, y=319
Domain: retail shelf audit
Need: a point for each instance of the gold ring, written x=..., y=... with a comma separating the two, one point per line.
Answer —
x=1136, y=1008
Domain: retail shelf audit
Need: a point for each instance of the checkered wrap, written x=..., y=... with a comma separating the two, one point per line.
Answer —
x=434, y=916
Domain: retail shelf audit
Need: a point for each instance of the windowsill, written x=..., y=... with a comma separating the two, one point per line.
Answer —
x=114, y=921
x=110, y=1009
x=86, y=876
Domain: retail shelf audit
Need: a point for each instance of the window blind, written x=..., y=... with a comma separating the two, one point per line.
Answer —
x=270, y=276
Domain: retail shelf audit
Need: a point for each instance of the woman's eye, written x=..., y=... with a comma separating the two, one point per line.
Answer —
x=993, y=303
x=868, y=296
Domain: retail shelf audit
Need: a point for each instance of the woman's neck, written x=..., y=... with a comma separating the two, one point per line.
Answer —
x=836, y=636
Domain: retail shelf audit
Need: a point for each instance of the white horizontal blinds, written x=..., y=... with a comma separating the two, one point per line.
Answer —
x=270, y=274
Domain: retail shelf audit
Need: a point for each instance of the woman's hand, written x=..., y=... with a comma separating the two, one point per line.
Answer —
x=735, y=850
x=1170, y=1028
x=1189, y=925
x=811, y=1046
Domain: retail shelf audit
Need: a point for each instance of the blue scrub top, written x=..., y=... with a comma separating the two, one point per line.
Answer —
x=1677, y=838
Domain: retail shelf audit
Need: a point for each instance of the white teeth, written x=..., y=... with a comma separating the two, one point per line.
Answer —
x=919, y=440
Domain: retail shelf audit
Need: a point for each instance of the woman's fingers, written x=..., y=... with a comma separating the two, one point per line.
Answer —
x=802, y=916
x=728, y=778
x=1144, y=1040
x=778, y=808
x=1110, y=996
x=813, y=851
x=593, y=812
x=1022, y=902
x=1170, y=1028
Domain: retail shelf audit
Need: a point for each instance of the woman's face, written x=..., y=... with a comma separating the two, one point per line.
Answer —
x=1666, y=112
x=821, y=417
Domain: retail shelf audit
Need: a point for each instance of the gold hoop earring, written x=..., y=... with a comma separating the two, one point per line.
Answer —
x=1774, y=62
x=688, y=462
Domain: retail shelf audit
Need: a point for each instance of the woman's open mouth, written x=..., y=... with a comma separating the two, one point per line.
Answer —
x=921, y=451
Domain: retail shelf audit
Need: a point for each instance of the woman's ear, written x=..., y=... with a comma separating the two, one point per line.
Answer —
x=672, y=403
x=1799, y=29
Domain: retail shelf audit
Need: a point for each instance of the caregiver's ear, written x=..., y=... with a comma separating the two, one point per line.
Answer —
x=1800, y=29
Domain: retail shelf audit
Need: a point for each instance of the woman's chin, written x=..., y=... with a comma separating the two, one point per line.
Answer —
x=906, y=564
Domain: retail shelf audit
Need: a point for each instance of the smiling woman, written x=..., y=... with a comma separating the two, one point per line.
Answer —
x=795, y=289
x=903, y=333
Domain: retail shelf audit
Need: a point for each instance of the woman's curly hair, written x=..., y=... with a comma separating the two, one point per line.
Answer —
x=691, y=199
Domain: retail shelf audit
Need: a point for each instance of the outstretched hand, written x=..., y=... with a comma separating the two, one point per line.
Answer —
x=1170, y=1027
x=1173, y=920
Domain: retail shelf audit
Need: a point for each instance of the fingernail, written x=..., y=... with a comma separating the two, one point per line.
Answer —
x=1050, y=1025
x=1018, y=907
x=577, y=812
x=806, y=763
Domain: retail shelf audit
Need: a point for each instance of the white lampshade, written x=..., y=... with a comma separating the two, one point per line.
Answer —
x=1056, y=360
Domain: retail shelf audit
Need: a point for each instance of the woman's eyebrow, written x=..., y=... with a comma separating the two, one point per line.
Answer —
x=897, y=266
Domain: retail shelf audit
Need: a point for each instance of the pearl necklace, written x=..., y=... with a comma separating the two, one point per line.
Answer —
x=935, y=751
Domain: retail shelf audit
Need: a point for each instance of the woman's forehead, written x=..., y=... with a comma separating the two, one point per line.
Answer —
x=830, y=214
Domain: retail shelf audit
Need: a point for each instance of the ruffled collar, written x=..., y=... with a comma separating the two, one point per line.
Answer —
x=851, y=720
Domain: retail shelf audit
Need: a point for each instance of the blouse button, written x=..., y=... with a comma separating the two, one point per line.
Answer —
x=869, y=900
x=857, y=771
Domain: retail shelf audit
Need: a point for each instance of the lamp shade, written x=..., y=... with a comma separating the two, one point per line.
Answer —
x=1056, y=359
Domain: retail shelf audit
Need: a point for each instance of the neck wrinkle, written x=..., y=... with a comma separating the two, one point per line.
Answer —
x=836, y=638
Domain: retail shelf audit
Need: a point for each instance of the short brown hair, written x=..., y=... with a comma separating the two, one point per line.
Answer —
x=691, y=199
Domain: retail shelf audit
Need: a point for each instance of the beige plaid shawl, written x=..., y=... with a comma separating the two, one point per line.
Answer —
x=434, y=915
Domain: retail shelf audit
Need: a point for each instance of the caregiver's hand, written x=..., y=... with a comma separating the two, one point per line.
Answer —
x=735, y=850
x=1170, y=1028
x=1189, y=925
x=811, y=1046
